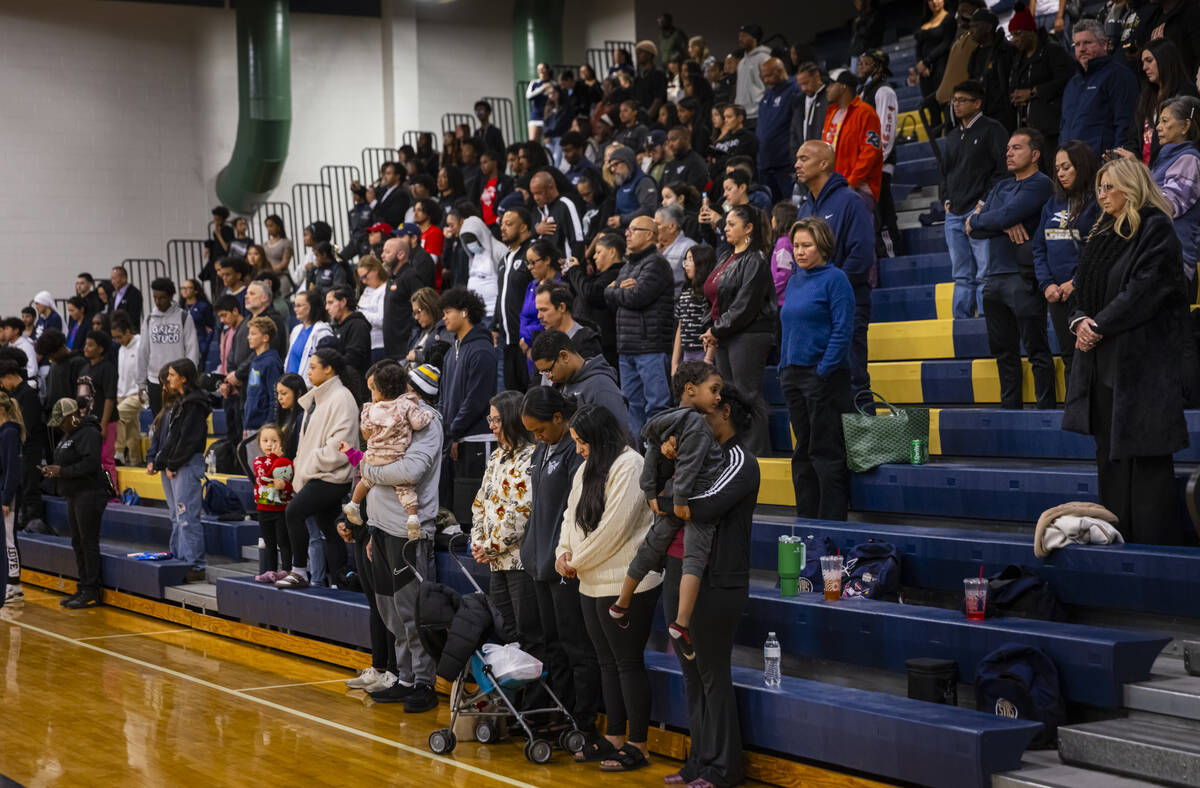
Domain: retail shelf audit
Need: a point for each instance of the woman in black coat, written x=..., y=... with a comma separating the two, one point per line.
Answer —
x=716, y=754
x=745, y=312
x=934, y=37
x=85, y=485
x=1132, y=337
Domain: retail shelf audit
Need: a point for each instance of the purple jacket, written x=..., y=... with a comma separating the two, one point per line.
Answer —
x=783, y=265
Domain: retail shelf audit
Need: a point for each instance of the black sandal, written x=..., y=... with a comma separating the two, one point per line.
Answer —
x=628, y=757
x=600, y=749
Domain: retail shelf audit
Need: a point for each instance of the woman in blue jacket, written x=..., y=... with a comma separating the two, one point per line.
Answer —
x=193, y=301
x=814, y=371
x=12, y=438
x=1067, y=218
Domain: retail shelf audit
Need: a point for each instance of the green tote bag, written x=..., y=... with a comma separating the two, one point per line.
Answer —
x=872, y=440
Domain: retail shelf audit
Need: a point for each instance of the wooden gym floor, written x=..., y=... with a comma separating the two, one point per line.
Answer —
x=106, y=697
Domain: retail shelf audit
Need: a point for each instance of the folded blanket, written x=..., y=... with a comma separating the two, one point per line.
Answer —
x=1077, y=522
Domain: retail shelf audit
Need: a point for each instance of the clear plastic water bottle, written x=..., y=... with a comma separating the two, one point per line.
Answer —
x=772, y=676
x=210, y=463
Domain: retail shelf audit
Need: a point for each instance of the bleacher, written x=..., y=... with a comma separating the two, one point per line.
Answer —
x=971, y=509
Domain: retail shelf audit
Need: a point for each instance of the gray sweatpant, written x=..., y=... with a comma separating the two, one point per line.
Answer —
x=652, y=552
x=396, y=595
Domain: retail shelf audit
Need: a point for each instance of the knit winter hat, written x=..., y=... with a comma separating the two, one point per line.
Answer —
x=625, y=156
x=1021, y=20
x=425, y=378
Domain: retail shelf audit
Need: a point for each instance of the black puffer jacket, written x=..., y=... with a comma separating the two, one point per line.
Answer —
x=746, y=299
x=645, y=312
x=456, y=625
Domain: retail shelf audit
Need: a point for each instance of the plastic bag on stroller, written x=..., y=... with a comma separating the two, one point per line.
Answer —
x=510, y=664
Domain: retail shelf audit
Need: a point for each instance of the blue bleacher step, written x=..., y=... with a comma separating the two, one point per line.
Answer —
x=911, y=151
x=920, y=172
x=234, y=569
x=329, y=613
x=1123, y=577
x=924, y=240
x=1162, y=749
x=152, y=525
x=1093, y=662
x=930, y=268
x=893, y=737
x=54, y=555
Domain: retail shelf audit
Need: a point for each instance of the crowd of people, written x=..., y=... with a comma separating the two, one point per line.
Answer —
x=571, y=332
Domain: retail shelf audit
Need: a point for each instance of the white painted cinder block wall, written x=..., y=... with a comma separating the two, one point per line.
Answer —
x=118, y=116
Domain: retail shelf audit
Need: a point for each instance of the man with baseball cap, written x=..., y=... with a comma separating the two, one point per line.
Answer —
x=750, y=85
x=650, y=83
x=874, y=69
x=852, y=130
x=654, y=159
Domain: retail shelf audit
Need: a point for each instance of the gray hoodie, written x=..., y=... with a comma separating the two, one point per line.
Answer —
x=698, y=457
x=750, y=86
x=596, y=384
x=421, y=466
x=166, y=336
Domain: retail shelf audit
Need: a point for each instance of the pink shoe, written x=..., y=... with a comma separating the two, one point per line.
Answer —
x=265, y=577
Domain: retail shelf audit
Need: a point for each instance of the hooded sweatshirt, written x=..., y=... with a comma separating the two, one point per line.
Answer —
x=551, y=470
x=486, y=255
x=166, y=336
x=265, y=371
x=750, y=86
x=468, y=384
x=852, y=224
x=596, y=384
x=10, y=462
x=78, y=458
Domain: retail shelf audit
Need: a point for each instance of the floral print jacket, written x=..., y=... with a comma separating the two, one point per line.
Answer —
x=501, y=507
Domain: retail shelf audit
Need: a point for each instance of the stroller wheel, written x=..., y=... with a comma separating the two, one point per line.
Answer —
x=572, y=740
x=442, y=741
x=485, y=732
x=538, y=751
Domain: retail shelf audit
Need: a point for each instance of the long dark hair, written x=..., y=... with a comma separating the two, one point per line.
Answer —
x=542, y=402
x=508, y=405
x=704, y=260
x=1084, y=191
x=599, y=429
x=1172, y=75
x=331, y=358
x=197, y=290
x=454, y=176
x=299, y=388
x=758, y=221
x=186, y=369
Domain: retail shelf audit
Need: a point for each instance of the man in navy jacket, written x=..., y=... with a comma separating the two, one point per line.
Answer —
x=468, y=380
x=830, y=197
x=773, y=128
x=1013, y=303
x=1098, y=103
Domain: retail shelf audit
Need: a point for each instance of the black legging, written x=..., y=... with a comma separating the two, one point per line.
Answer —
x=272, y=524
x=84, y=512
x=383, y=642
x=716, y=751
x=323, y=501
x=569, y=656
x=624, y=682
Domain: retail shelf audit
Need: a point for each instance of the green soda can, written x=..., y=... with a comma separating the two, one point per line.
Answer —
x=919, y=452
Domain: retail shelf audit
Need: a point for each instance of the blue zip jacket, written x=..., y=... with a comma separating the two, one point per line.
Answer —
x=817, y=319
x=467, y=385
x=774, y=126
x=1056, y=244
x=1097, y=106
x=1010, y=202
x=202, y=317
x=852, y=224
x=1183, y=187
x=265, y=371
x=10, y=462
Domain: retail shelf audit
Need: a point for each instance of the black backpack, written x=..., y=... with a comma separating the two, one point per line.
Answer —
x=219, y=500
x=873, y=571
x=1018, y=591
x=1021, y=682
x=811, y=580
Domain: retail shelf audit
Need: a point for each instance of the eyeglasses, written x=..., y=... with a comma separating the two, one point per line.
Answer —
x=548, y=370
x=1104, y=188
x=964, y=100
x=494, y=421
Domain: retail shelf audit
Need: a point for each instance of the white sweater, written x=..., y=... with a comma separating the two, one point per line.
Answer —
x=602, y=557
x=330, y=416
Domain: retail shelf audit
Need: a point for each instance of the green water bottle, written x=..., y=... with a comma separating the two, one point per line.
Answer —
x=791, y=564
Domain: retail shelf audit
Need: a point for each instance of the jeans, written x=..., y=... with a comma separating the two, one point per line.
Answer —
x=815, y=405
x=316, y=552
x=183, y=502
x=969, y=263
x=644, y=381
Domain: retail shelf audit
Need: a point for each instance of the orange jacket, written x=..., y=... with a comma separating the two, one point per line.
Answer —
x=858, y=145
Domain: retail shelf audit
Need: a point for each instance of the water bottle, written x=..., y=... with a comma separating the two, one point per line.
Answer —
x=210, y=463
x=771, y=658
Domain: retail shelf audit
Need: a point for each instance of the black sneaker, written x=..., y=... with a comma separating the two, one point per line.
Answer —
x=82, y=600
x=422, y=699
x=63, y=602
x=397, y=693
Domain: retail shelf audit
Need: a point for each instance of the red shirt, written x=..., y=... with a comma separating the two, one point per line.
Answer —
x=487, y=200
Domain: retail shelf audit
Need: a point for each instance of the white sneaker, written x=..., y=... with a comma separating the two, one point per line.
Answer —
x=14, y=593
x=367, y=677
x=386, y=681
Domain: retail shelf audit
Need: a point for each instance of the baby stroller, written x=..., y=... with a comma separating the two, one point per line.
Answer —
x=445, y=618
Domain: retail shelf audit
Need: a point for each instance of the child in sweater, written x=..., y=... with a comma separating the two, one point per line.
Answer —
x=272, y=491
x=388, y=422
x=696, y=465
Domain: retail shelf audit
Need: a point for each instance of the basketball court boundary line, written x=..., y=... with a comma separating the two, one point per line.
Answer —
x=136, y=634
x=476, y=770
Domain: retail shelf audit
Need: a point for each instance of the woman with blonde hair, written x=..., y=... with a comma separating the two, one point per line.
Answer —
x=1132, y=340
x=373, y=278
x=12, y=440
x=697, y=49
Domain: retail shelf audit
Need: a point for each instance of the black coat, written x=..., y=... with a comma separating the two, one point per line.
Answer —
x=746, y=298
x=646, y=311
x=1048, y=69
x=992, y=67
x=132, y=304
x=802, y=132
x=476, y=621
x=1147, y=338
x=392, y=209
x=187, y=433
x=78, y=458
x=589, y=300
x=354, y=336
x=398, y=323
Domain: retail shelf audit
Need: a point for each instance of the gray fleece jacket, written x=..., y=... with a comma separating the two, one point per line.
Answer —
x=698, y=458
x=421, y=466
x=596, y=384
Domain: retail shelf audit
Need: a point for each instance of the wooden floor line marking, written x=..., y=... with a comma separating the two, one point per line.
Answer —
x=278, y=707
x=136, y=634
x=282, y=686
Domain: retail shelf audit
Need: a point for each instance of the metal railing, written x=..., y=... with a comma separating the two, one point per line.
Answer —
x=142, y=271
x=504, y=117
x=372, y=160
x=337, y=178
x=451, y=120
x=611, y=47
x=312, y=202
x=185, y=258
x=258, y=223
x=411, y=138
